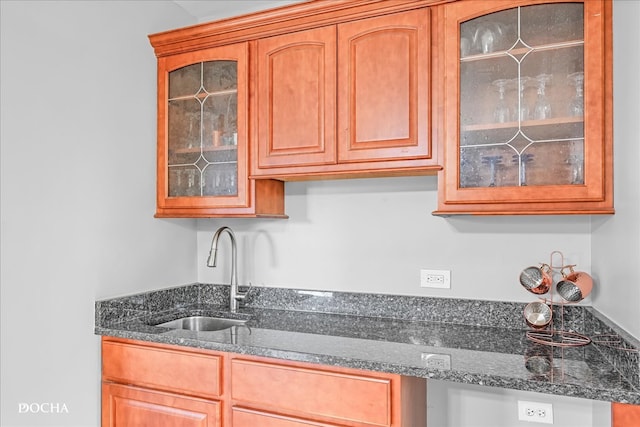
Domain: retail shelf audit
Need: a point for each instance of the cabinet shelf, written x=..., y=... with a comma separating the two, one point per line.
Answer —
x=526, y=123
x=203, y=95
x=521, y=51
x=210, y=149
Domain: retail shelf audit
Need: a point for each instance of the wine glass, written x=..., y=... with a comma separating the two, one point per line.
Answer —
x=521, y=160
x=577, y=164
x=191, y=182
x=542, y=108
x=576, y=106
x=493, y=162
x=501, y=114
x=522, y=111
x=488, y=36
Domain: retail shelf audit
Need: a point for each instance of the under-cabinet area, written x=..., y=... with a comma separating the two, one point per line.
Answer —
x=508, y=102
x=151, y=384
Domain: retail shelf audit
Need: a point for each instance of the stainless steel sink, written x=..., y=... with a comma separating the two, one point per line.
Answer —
x=202, y=323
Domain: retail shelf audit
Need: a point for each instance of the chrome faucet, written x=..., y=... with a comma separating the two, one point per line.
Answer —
x=235, y=294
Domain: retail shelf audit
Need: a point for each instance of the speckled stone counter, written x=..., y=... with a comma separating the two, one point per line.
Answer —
x=466, y=341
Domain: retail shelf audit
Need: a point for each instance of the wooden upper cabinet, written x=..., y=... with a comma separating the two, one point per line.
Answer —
x=202, y=154
x=346, y=98
x=383, y=92
x=527, y=122
x=296, y=89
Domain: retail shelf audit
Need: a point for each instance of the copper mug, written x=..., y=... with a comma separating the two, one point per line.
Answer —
x=575, y=286
x=537, y=314
x=537, y=280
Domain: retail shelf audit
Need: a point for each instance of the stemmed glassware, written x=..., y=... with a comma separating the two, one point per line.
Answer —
x=522, y=111
x=501, y=113
x=542, y=108
x=521, y=160
x=577, y=163
x=493, y=162
x=192, y=188
x=576, y=106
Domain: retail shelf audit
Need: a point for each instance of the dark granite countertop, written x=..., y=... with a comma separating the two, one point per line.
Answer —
x=432, y=338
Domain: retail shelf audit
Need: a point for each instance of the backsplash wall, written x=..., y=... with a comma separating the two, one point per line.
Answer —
x=374, y=235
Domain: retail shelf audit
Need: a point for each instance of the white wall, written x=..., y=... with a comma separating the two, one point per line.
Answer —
x=461, y=405
x=374, y=235
x=78, y=184
x=615, y=241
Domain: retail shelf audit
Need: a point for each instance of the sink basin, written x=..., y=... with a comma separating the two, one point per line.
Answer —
x=202, y=323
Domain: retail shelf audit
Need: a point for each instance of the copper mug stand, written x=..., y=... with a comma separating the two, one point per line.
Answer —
x=551, y=336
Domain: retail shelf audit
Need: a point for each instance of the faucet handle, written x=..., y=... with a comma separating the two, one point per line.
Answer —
x=241, y=295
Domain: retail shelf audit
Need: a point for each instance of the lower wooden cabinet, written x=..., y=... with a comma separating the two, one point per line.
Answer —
x=149, y=384
x=152, y=385
x=162, y=367
x=625, y=415
x=243, y=417
x=299, y=394
x=127, y=406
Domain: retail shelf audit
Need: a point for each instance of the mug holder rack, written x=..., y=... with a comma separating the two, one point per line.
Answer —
x=552, y=336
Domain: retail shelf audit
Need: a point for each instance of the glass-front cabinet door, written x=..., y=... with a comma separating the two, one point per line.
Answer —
x=203, y=130
x=203, y=138
x=526, y=127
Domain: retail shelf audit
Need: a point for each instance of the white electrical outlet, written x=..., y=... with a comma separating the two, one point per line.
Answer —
x=535, y=412
x=435, y=279
x=437, y=361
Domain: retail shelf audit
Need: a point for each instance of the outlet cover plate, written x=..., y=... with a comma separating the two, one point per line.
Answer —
x=437, y=361
x=535, y=412
x=435, y=279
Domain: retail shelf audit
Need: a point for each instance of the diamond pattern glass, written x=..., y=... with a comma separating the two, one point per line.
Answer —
x=202, y=128
x=521, y=77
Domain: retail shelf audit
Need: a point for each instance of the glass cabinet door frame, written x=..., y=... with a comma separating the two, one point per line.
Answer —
x=597, y=187
x=237, y=52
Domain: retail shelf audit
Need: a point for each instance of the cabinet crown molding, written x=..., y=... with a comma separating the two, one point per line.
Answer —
x=285, y=19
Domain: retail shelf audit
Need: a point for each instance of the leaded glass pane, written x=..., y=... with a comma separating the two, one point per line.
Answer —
x=521, y=97
x=202, y=130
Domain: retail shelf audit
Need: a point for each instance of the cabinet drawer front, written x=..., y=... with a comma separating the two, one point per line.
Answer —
x=182, y=372
x=300, y=391
x=248, y=418
x=124, y=406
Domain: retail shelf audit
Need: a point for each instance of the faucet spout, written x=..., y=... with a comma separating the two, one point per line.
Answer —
x=235, y=295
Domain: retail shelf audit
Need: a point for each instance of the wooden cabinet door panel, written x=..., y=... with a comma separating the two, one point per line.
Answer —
x=319, y=394
x=383, y=87
x=625, y=415
x=526, y=165
x=296, y=98
x=202, y=144
x=125, y=406
x=162, y=368
x=247, y=418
